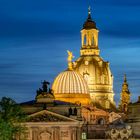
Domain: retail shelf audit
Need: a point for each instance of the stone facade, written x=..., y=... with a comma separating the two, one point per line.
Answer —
x=134, y=117
x=53, y=131
x=46, y=125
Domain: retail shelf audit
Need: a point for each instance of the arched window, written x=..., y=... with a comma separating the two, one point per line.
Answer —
x=45, y=136
x=124, y=107
x=92, y=41
x=101, y=121
x=86, y=76
x=84, y=39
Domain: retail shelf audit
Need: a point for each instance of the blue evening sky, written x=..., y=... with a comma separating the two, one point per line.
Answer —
x=35, y=34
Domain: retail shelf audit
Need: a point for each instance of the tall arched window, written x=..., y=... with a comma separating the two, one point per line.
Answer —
x=85, y=40
x=124, y=107
x=92, y=41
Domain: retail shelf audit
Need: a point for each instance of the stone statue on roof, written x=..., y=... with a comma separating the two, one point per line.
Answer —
x=45, y=86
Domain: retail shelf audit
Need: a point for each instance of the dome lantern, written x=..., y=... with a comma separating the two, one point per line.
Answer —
x=89, y=37
x=89, y=24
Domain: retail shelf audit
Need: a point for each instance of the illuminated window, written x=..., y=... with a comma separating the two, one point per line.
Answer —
x=92, y=41
x=85, y=40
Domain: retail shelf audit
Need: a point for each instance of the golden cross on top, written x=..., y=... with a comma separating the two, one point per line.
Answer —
x=89, y=10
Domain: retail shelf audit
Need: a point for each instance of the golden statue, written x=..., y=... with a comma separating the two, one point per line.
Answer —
x=70, y=57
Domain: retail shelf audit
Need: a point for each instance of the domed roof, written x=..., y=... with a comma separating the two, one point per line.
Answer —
x=70, y=81
x=96, y=71
x=89, y=24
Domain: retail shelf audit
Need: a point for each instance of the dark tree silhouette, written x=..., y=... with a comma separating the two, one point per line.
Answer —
x=11, y=116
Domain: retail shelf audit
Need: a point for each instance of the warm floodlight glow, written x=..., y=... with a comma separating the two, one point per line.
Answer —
x=70, y=86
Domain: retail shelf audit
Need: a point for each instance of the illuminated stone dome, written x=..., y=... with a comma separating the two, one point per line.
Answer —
x=99, y=78
x=97, y=74
x=70, y=86
x=93, y=68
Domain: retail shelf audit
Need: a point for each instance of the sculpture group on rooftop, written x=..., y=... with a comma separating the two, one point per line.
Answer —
x=45, y=90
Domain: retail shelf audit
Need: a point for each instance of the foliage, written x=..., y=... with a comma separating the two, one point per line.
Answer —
x=11, y=117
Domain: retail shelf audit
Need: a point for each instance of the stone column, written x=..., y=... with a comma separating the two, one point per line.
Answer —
x=73, y=134
x=35, y=133
x=56, y=133
x=78, y=133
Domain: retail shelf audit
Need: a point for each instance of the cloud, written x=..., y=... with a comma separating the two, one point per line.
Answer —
x=34, y=36
x=123, y=30
x=118, y=2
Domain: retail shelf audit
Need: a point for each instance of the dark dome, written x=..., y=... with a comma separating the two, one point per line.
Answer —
x=89, y=24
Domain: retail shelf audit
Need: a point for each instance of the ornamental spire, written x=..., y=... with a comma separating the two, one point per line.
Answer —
x=89, y=13
x=125, y=96
x=125, y=85
x=89, y=10
x=125, y=79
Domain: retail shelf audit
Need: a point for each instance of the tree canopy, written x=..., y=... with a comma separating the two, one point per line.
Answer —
x=11, y=117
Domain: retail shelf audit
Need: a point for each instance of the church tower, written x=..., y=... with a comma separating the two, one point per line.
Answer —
x=125, y=96
x=93, y=68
